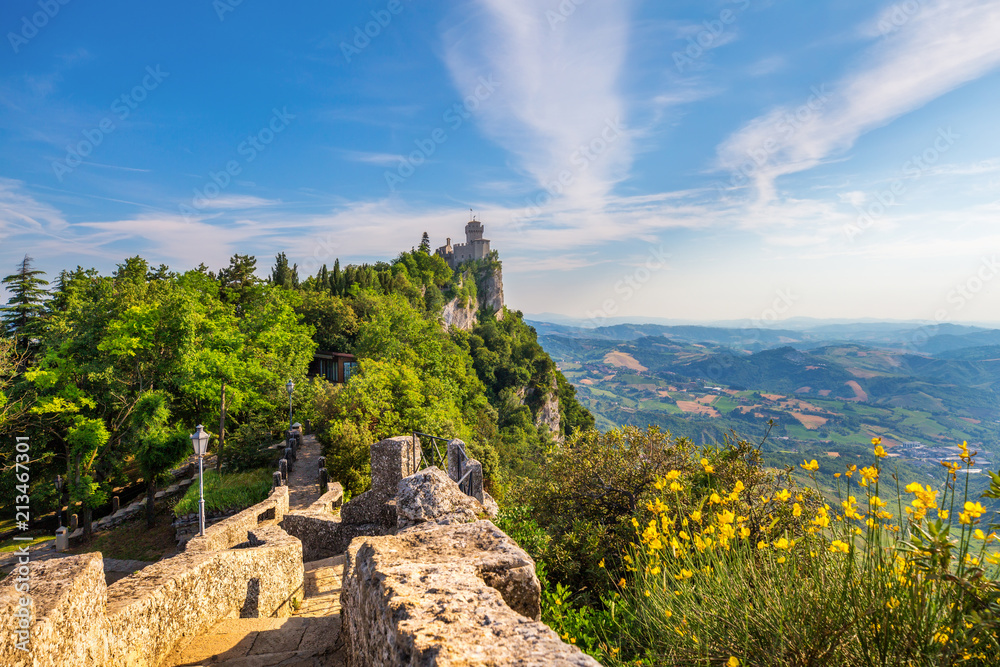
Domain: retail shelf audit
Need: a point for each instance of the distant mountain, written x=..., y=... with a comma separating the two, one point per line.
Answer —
x=818, y=393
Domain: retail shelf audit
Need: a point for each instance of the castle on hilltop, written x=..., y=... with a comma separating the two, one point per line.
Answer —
x=475, y=246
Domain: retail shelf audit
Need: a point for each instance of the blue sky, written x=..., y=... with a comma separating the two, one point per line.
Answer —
x=690, y=160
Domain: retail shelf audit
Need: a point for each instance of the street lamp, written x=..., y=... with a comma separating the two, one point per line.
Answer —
x=199, y=440
x=290, y=386
x=59, y=488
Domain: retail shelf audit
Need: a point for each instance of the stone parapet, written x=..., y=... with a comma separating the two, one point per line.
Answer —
x=447, y=596
x=232, y=531
x=248, y=568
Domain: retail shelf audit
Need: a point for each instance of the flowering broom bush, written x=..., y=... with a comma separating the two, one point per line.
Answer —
x=723, y=574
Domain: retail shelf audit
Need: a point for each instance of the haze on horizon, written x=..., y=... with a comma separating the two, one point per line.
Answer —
x=698, y=161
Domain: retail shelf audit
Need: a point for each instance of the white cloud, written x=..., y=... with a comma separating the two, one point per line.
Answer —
x=238, y=202
x=944, y=45
x=378, y=159
x=558, y=88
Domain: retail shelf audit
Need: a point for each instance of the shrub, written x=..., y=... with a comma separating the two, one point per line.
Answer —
x=248, y=448
x=775, y=580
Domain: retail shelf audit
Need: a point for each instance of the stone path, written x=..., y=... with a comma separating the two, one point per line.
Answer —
x=303, y=481
x=310, y=638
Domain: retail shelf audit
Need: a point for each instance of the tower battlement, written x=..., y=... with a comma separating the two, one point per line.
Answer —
x=475, y=246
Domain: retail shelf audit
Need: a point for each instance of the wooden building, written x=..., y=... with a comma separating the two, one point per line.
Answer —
x=334, y=366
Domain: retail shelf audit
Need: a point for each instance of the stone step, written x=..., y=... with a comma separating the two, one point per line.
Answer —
x=263, y=642
x=322, y=583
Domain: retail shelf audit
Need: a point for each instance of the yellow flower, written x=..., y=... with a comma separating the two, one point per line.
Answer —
x=732, y=662
x=647, y=592
x=659, y=484
x=622, y=582
x=811, y=466
x=975, y=510
x=880, y=452
x=738, y=487
x=876, y=441
x=673, y=474
x=708, y=468
x=796, y=509
x=601, y=564
x=696, y=516
x=851, y=470
x=744, y=532
x=655, y=571
x=762, y=545
x=675, y=486
x=715, y=499
x=783, y=495
x=782, y=559
x=782, y=543
x=837, y=545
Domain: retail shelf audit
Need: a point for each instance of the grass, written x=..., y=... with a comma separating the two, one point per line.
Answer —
x=659, y=405
x=234, y=491
x=133, y=541
x=14, y=545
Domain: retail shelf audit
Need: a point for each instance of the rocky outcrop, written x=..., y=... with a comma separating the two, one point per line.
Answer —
x=454, y=315
x=431, y=496
x=447, y=596
x=490, y=289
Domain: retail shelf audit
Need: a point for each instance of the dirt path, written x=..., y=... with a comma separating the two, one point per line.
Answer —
x=303, y=481
x=310, y=638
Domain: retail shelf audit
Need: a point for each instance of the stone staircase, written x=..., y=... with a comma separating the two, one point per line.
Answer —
x=310, y=638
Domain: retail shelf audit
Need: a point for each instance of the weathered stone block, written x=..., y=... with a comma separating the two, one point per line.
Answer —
x=431, y=496
x=447, y=596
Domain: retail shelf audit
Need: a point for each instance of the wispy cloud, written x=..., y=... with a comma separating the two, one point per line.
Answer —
x=558, y=88
x=377, y=159
x=237, y=202
x=946, y=44
x=21, y=213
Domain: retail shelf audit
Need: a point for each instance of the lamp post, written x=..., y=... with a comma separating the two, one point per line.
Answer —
x=59, y=488
x=199, y=440
x=290, y=386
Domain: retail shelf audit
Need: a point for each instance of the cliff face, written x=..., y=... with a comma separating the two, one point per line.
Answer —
x=546, y=409
x=489, y=296
x=491, y=292
x=454, y=315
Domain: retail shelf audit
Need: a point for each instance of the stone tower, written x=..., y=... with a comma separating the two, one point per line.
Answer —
x=475, y=246
x=473, y=231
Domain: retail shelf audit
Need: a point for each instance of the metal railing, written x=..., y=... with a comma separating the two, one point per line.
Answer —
x=431, y=451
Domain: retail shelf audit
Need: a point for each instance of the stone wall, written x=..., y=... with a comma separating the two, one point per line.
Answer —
x=248, y=568
x=232, y=531
x=320, y=529
x=447, y=595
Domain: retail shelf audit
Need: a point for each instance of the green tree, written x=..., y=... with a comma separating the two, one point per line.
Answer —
x=158, y=449
x=425, y=244
x=26, y=306
x=283, y=275
x=333, y=319
x=86, y=438
x=238, y=281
